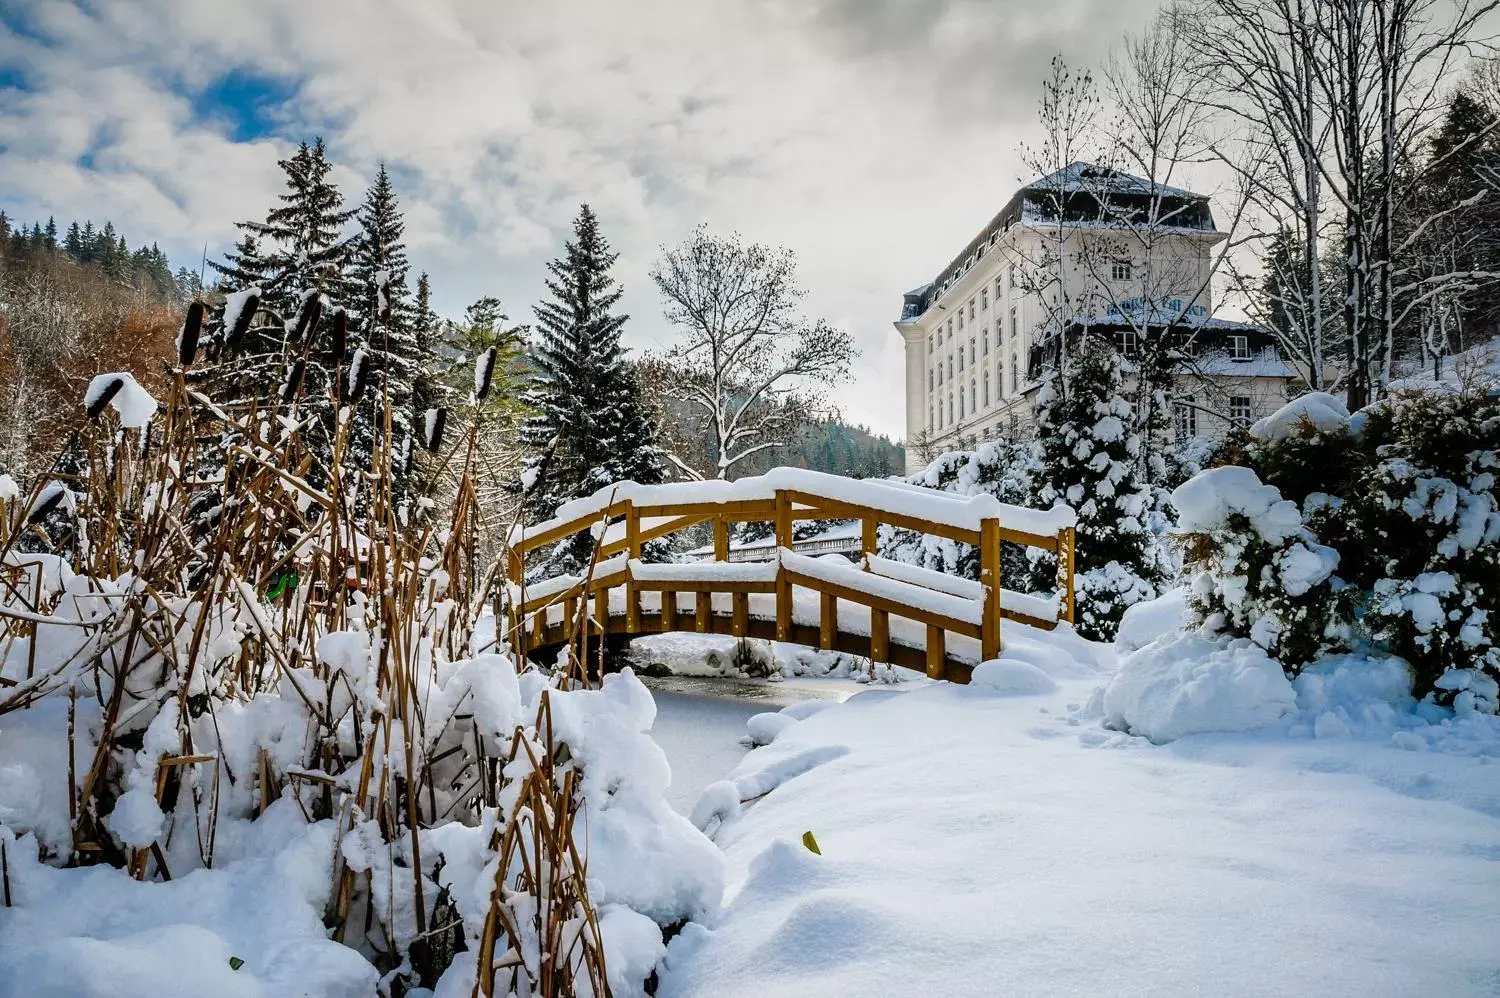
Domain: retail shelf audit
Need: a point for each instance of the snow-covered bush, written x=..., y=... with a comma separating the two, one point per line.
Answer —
x=1089, y=457
x=1402, y=502
x=1423, y=532
x=1258, y=572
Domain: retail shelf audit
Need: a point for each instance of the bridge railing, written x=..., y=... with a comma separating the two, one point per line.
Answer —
x=626, y=517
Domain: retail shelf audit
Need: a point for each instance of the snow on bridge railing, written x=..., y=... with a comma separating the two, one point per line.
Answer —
x=624, y=516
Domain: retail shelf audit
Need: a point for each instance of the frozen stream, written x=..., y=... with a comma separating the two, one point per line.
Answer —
x=699, y=723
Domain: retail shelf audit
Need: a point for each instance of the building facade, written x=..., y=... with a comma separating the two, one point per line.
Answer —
x=1086, y=251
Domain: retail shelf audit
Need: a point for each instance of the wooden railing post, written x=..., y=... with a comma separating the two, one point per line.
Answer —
x=783, y=586
x=867, y=543
x=828, y=620
x=880, y=636
x=989, y=577
x=937, y=652
x=1066, y=543
x=703, y=610
x=633, y=549
x=721, y=539
x=669, y=610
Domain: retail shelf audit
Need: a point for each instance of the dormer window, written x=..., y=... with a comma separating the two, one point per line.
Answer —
x=1239, y=347
x=1119, y=270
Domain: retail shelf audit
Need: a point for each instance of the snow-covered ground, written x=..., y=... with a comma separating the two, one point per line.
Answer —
x=982, y=841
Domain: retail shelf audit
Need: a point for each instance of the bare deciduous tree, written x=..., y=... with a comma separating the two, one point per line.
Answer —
x=750, y=364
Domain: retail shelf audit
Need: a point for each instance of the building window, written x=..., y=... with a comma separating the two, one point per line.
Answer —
x=998, y=292
x=950, y=368
x=986, y=389
x=929, y=418
x=1239, y=347
x=986, y=342
x=973, y=353
x=1015, y=374
x=984, y=298
x=1119, y=270
x=1129, y=343
x=1187, y=419
x=1013, y=325
x=929, y=379
x=960, y=356
x=971, y=310
x=960, y=403
x=950, y=329
x=1239, y=409
x=950, y=410
x=1013, y=277
x=973, y=395
x=999, y=381
x=929, y=343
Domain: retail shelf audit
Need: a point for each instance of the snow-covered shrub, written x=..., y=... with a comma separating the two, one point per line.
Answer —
x=1258, y=572
x=1423, y=532
x=1089, y=457
x=1404, y=492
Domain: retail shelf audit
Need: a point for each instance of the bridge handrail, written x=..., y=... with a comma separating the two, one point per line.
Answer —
x=943, y=603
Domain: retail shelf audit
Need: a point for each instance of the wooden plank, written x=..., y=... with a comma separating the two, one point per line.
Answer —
x=853, y=511
x=740, y=625
x=936, y=653
x=705, y=612
x=989, y=576
x=733, y=511
x=601, y=611
x=650, y=533
x=1044, y=541
x=669, y=610
x=868, y=531
x=1026, y=618
x=554, y=534
x=828, y=620
x=732, y=586
x=880, y=636
x=887, y=606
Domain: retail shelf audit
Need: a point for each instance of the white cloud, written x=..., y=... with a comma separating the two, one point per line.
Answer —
x=874, y=137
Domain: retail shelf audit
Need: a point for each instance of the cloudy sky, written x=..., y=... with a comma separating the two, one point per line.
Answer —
x=873, y=137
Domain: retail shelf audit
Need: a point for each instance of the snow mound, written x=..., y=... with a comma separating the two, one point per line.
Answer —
x=1184, y=684
x=1321, y=410
x=134, y=404
x=1144, y=622
x=1012, y=676
x=763, y=728
x=1205, y=502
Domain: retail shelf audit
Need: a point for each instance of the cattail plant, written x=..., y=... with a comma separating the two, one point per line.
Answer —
x=187, y=339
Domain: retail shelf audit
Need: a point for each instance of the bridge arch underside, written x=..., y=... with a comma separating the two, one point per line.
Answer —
x=887, y=611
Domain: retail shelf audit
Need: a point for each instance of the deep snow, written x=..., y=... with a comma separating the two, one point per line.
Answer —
x=981, y=842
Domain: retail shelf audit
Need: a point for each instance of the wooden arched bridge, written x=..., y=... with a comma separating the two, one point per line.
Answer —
x=885, y=610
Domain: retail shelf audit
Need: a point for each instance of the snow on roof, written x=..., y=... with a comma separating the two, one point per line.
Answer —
x=1092, y=178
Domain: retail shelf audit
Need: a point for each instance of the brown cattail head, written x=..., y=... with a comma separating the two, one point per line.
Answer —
x=249, y=305
x=187, y=340
x=358, y=376
x=484, y=373
x=94, y=407
x=52, y=497
x=340, y=342
x=293, y=383
x=432, y=428
x=307, y=317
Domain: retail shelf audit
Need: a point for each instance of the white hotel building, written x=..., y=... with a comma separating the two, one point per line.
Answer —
x=978, y=336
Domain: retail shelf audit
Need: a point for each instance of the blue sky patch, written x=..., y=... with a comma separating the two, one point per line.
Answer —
x=244, y=104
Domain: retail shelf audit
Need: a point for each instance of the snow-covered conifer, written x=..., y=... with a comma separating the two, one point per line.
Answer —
x=1088, y=458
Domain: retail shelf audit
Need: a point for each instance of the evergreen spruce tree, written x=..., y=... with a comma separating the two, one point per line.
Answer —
x=588, y=410
x=51, y=232
x=73, y=241
x=1087, y=458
